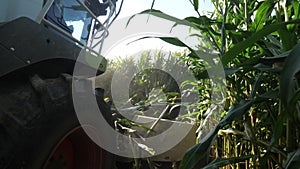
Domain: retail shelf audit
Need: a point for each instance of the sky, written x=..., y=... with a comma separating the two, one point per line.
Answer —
x=176, y=8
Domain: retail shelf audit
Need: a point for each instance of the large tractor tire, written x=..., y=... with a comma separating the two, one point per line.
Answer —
x=39, y=128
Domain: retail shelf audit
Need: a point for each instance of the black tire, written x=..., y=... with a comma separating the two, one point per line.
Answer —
x=35, y=115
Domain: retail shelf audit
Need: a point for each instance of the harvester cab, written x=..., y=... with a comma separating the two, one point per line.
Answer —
x=76, y=18
x=83, y=23
x=40, y=42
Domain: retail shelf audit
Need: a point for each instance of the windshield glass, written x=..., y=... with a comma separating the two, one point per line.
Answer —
x=73, y=18
x=77, y=18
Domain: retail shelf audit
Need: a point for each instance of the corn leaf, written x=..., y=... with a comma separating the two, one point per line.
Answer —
x=220, y=162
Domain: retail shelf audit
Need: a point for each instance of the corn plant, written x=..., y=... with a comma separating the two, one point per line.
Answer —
x=257, y=42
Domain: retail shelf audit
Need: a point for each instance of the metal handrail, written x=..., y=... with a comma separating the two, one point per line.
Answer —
x=103, y=35
x=91, y=13
x=69, y=36
x=44, y=11
x=60, y=30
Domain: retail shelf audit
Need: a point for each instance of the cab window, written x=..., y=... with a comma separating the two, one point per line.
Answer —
x=73, y=18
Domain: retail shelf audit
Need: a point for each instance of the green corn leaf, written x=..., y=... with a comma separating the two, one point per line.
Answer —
x=228, y=72
x=277, y=126
x=272, y=94
x=263, y=12
x=266, y=68
x=290, y=68
x=170, y=40
x=236, y=112
x=293, y=160
x=162, y=15
x=200, y=21
x=295, y=98
x=192, y=157
x=174, y=41
x=297, y=9
x=240, y=47
x=220, y=162
x=196, y=5
x=275, y=59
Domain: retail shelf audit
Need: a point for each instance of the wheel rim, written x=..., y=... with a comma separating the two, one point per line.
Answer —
x=76, y=151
